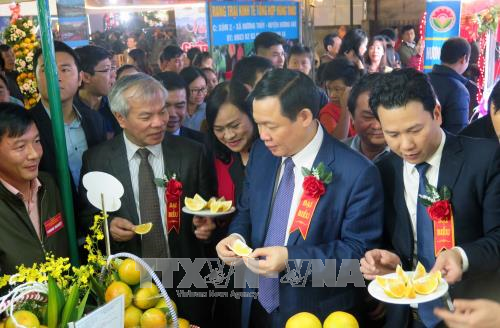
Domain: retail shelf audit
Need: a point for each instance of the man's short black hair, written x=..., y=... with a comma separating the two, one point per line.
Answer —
x=407, y=28
x=329, y=40
x=191, y=53
x=266, y=40
x=294, y=89
x=495, y=97
x=343, y=69
x=171, y=81
x=14, y=120
x=398, y=88
x=59, y=46
x=454, y=49
x=365, y=84
x=245, y=70
x=299, y=50
x=390, y=33
x=90, y=56
x=170, y=52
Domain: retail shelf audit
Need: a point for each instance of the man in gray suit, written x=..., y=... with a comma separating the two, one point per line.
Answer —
x=138, y=156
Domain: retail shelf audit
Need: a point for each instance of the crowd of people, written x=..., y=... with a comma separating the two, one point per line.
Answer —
x=382, y=129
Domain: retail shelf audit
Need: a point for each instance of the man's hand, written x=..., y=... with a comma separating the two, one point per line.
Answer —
x=121, y=229
x=225, y=253
x=471, y=314
x=449, y=263
x=204, y=226
x=274, y=262
x=378, y=262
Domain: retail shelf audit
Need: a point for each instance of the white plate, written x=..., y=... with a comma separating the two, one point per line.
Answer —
x=98, y=182
x=207, y=212
x=377, y=291
x=111, y=203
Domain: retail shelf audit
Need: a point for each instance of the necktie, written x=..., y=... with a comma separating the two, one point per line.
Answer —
x=276, y=232
x=425, y=247
x=153, y=243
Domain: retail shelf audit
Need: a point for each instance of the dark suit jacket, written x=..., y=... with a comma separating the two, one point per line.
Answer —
x=346, y=223
x=453, y=97
x=471, y=169
x=186, y=159
x=481, y=128
x=193, y=135
x=93, y=127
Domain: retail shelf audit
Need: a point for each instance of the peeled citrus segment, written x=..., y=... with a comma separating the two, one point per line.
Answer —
x=197, y=203
x=395, y=288
x=419, y=271
x=401, y=274
x=226, y=205
x=241, y=249
x=427, y=284
x=143, y=229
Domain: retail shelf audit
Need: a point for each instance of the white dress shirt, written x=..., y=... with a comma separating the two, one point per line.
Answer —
x=156, y=161
x=411, y=180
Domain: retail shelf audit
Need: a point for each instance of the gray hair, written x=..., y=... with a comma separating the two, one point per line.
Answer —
x=140, y=88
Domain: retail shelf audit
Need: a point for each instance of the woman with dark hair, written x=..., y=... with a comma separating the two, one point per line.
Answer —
x=137, y=57
x=354, y=47
x=196, y=92
x=376, y=60
x=203, y=60
x=232, y=132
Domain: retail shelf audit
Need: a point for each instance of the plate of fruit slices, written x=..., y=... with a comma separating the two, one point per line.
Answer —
x=411, y=287
x=211, y=208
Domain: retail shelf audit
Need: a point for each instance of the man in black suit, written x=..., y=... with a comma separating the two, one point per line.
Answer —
x=177, y=106
x=488, y=126
x=138, y=102
x=405, y=104
x=83, y=128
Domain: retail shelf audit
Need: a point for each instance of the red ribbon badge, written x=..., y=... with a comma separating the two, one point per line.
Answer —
x=444, y=232
x=173, y=193
x=313, y=190
x=54, y=224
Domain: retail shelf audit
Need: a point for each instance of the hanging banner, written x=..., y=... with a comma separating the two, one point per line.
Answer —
x=242, y=21
x=442, y=23
x=73, y=23
x=191, y=27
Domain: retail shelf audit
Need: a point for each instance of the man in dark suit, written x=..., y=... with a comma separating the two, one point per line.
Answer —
x=488, y=126
x=422, y=153
x=83, y=128
x=138, y=156
x=346, y=222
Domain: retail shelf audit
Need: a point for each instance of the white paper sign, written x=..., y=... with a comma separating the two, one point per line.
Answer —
x=110, y=315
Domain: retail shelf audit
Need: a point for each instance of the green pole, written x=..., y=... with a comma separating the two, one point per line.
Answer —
x=58, y=126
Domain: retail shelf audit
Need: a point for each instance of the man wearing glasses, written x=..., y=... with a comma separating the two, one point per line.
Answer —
x=98, y=77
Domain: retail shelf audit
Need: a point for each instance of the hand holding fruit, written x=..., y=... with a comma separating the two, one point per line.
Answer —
x=224, y=251
x=275, y=258
x=121, y=229
x=378, y=262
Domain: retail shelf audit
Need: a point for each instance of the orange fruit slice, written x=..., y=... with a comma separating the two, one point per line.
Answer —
x=226, y=205
x=427, y=284
x=197, y=203
x=143, y=229
x=395, y=288
x=210, y=202
x=419, y=271
x=401, y=274
x=410, y=291
x=241, y=249
x=216, y=207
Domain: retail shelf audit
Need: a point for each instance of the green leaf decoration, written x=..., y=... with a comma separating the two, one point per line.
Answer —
x=424, y=201
x=69, y=310
x=446, y=193
x=329, y=178
x=82, y=305
x=306, y=172
x=159, y=182
x=97, y=289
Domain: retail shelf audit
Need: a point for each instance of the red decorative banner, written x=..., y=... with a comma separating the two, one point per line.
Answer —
x=173, y=216
x=444, y=234
x=304, y=213
x=54, y=224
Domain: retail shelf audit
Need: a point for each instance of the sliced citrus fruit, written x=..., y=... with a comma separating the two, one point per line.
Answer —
x=395, y=288
x=210, y=202
x=428, y=283
x=382, y=281
x=419, y=271
x=216, y=207
x=143, y=229
x=410, y=291
x=197, y=203
x=241, y=249
x=226, y=205
x=401, y=274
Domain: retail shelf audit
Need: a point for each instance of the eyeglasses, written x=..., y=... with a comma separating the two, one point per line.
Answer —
x=198, y=91
x=106, y=70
